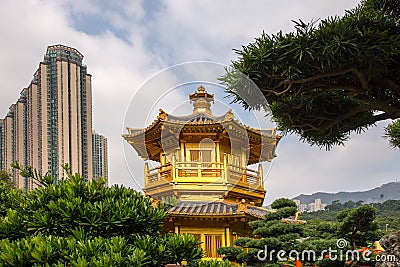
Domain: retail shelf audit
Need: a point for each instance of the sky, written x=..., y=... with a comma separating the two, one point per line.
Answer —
x=130, y=45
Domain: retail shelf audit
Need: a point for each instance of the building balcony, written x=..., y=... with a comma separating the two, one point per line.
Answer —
x=203, y=172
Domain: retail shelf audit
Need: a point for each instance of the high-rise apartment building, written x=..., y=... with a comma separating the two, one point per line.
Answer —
x=100, y=156
x=51, y=123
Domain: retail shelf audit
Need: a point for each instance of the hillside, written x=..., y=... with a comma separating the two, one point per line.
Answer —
x=379, y=194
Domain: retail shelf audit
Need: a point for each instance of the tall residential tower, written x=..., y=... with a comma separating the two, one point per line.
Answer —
x=100, y=156
x=51, y=122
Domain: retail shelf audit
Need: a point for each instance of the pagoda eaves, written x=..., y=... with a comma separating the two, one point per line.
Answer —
x=167, y=130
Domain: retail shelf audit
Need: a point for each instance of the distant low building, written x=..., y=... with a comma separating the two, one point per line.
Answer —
x=317, y=205
x=311, y=207
x=303, y=207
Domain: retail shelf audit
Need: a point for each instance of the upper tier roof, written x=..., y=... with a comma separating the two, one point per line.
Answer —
x=147, y=141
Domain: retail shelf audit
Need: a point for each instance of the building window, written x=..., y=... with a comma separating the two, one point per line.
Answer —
x=200, y=155
x=212, y=243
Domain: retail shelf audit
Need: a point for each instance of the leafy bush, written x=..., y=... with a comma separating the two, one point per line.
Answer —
x=74, y=223
x=59, y=209
x=9, y=197
x=61, y=251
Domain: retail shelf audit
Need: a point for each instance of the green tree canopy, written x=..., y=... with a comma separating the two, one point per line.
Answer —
x=357, y=225
x=387, y=216
x=283, y=203
x=326, y=80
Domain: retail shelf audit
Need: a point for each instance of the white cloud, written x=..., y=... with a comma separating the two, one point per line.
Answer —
x=193, y=30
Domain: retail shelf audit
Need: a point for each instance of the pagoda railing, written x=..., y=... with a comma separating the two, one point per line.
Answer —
x=203, y=172
x=158, y=174
x=199, y=169
x=246, y=175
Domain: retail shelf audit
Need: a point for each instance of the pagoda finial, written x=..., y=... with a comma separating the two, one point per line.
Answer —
x=201, y=101
x=201, y=89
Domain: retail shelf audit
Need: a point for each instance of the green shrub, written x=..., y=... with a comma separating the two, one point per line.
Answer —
x=74, y=223
x=60, y=251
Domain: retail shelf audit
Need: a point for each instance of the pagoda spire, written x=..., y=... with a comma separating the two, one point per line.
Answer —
x=201, y=101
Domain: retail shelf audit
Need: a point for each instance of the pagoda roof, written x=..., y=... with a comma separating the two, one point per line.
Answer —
x=196, y=119
x=215, y=209
x=166, y=128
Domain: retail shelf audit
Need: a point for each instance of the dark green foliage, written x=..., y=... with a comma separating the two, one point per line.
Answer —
x=272, y=233
x=286, y=212
x=242, y=241
x=317, y=245
x=277, y=228
x=320, y=229
x=231, y=253
x=357, y=225
x=337, y=206
x=73, y=223
x=388, y=213
x=390, y=223
x=283, y=203
x=326, y=80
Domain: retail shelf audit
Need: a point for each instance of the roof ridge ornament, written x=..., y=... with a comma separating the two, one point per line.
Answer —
x=162, y=115
x=201, y=89
x=201, y=101
x=242, y=206
x=229, y=115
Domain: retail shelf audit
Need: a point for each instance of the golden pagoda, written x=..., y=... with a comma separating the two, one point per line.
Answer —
x=204, y=162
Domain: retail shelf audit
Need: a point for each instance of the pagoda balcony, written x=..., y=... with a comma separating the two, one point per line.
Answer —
x=203, y=172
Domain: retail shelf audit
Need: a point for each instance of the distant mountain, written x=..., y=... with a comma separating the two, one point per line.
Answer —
x=379, y=194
